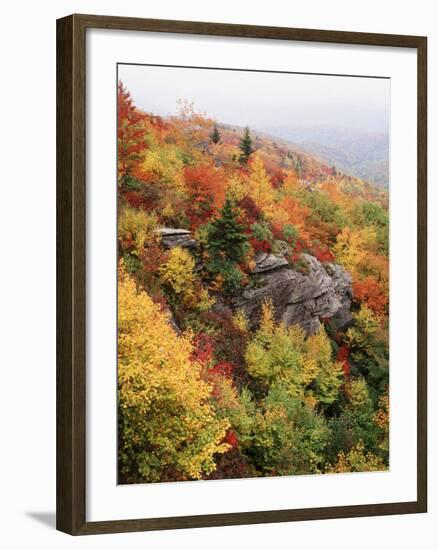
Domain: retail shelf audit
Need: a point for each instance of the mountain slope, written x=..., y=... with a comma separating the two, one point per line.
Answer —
x=361, y=154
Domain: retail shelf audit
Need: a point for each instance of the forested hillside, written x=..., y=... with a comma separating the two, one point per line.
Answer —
x=252, y=305
x=358, y=153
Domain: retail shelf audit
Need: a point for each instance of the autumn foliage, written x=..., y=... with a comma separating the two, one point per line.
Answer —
x=202, y=393
x=131, y=138
x=163, y=402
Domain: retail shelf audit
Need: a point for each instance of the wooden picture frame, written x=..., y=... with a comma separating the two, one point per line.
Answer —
x=71, y=274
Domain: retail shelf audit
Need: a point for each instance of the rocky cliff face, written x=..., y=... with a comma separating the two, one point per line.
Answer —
x=323, y=291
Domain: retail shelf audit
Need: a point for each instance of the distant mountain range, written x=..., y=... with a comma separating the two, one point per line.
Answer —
x=361, y=154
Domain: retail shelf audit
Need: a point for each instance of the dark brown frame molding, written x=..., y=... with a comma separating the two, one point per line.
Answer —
x=71, y=266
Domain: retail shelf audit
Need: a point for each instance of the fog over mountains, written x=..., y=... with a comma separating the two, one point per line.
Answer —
x=344, y=120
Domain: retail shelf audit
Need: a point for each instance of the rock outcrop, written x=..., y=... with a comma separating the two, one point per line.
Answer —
x=170, y=238
x=321, y=291
x=269, y=262
x=298, y=298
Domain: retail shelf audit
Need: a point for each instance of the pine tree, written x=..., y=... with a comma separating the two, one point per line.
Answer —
x=215, y=135
x=226, y=236
x=245, y=146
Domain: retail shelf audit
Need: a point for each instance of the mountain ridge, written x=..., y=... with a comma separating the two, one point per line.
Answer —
x=363, y=154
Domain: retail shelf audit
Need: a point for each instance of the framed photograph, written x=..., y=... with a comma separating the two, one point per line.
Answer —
x=241, y=274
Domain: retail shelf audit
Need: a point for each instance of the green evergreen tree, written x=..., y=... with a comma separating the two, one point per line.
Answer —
x=215, y=135
x=245, y=146
x=227, y=245
x=226, y=237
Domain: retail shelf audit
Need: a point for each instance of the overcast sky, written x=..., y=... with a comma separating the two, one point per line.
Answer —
x=263, y=100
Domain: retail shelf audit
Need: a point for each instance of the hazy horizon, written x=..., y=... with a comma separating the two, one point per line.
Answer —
x=263, y=100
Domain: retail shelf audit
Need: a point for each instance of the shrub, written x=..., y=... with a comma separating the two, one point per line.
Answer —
x=290, y=233
x=282, y=354
x=178, y=277
x=177, y=273
x=356, y=422
x=136, y=228
x=289, y=437
x=370, y=292
x=368, y=342
x=261, y=231
x=357, y=460
x=228, y=337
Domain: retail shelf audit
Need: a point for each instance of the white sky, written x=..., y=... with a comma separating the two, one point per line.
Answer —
x=263, y=99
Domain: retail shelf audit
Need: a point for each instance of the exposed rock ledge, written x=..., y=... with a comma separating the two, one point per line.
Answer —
x=170, y=237
x=299, y=298
x=325, y=291
x=269, y=262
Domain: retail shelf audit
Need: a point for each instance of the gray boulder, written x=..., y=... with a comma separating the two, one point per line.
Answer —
x=298, y=298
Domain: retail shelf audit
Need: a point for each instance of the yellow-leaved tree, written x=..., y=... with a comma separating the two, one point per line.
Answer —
x=177, y=273
x=353, y=247
x=167, y=428
x=136, y=228
x=329, y=373
x=357, y=460
x=259, y=186
x=178, y=276
x=283, y=354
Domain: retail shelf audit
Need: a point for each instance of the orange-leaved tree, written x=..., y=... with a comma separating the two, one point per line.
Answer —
x=131, y=134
